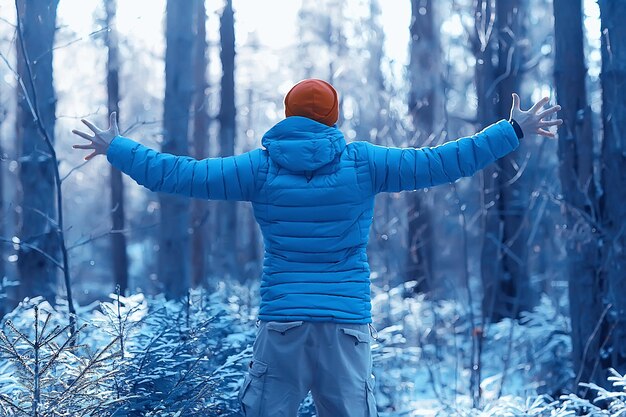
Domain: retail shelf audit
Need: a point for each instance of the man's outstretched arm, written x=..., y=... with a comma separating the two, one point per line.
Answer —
x=404, y=169
x=229, y=178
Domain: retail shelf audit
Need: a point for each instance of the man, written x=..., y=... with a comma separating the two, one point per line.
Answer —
x=313, y=197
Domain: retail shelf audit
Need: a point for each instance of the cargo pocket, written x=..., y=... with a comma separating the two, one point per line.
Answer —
x=371, y=400
x=283, y=326
x=357, y=335
x=251, y=391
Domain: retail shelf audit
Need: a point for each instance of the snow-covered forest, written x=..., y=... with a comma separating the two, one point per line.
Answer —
x=500, y=294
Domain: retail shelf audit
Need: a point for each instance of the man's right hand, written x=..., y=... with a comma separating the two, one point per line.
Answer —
x=101, y=139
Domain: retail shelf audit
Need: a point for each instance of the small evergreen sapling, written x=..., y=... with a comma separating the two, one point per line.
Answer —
x=53, y=377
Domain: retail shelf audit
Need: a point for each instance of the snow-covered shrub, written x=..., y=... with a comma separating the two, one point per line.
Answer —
x=134, y=356
x=545, y=333
x=512, y=406
x=419, y=352
x=529, y=356
x=183, y=358
x=148, y=356
x=425, y=351
x=46, y=373
x=605, y=404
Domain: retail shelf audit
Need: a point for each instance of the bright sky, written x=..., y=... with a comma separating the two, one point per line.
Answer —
x=273, y=20
x=141, y=23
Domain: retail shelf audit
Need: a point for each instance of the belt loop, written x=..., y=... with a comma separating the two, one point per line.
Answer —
x=375, y=332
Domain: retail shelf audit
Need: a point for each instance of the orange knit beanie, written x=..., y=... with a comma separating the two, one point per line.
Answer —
x=315, y=99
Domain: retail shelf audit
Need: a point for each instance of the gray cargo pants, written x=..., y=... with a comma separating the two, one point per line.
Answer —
x=332, y=360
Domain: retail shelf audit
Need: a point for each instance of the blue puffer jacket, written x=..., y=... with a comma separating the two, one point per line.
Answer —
x=313, y=197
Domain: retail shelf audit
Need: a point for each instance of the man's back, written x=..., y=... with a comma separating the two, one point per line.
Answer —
x=314, y=206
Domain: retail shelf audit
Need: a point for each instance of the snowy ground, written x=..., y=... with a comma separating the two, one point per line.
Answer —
x=193, y=356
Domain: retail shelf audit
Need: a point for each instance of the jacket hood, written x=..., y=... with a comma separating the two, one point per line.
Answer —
x=301, y=144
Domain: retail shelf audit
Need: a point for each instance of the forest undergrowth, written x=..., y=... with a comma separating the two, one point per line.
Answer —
x=147, y=356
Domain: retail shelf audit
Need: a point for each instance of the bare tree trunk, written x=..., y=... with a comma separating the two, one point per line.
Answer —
x=424, y=107
x=251, y=254
x=4, y=303
x=370, y=100
x=228, y=211
x=37, y=225
x=174, y=248
x=484, y=52
x=504, y=253
x=613, y=195
x=118, y=239
x=201, y=120
x=578, y=185
x=321, y=25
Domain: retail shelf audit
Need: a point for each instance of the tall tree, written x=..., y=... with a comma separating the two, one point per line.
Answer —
x=322, y=25
x=5, y=305
x=424, y=105
x=576, y=160
x=174, y=247
x=118, y=239
x=612, y=208
x=335, y=39
x=200, y=144
x=250, y=252
x=368, y=93
x=504, y=254
x=37, y=227
x=228, y=213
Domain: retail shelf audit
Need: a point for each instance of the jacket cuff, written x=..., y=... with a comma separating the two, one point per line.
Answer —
x=120, y=152
x=517, y=128
x=508, y=140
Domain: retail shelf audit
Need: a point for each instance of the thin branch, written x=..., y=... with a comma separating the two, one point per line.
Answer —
x=83, y=372
x=588, y=343
x=89, y=35
x=59, y=195
x=6, y=399
x=71, y=171
x=42, y=214
x=2, y=19
x=504, y=75
x=137, y=123
x=22, y=86
x=36, y=249
x=109, y=232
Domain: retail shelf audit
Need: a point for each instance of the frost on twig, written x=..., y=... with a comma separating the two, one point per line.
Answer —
x=51, y=374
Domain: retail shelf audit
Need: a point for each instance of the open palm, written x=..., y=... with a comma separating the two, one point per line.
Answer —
x=532, y=120
x=101, y=138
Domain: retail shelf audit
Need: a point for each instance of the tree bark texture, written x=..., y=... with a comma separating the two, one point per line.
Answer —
x=200, y=146
x=499, y=33
x=613, y=193
x=424, y=102
x=174, y=247
x=227, y=219
x=37, y=226
x=576, y=159
x=118, y=238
